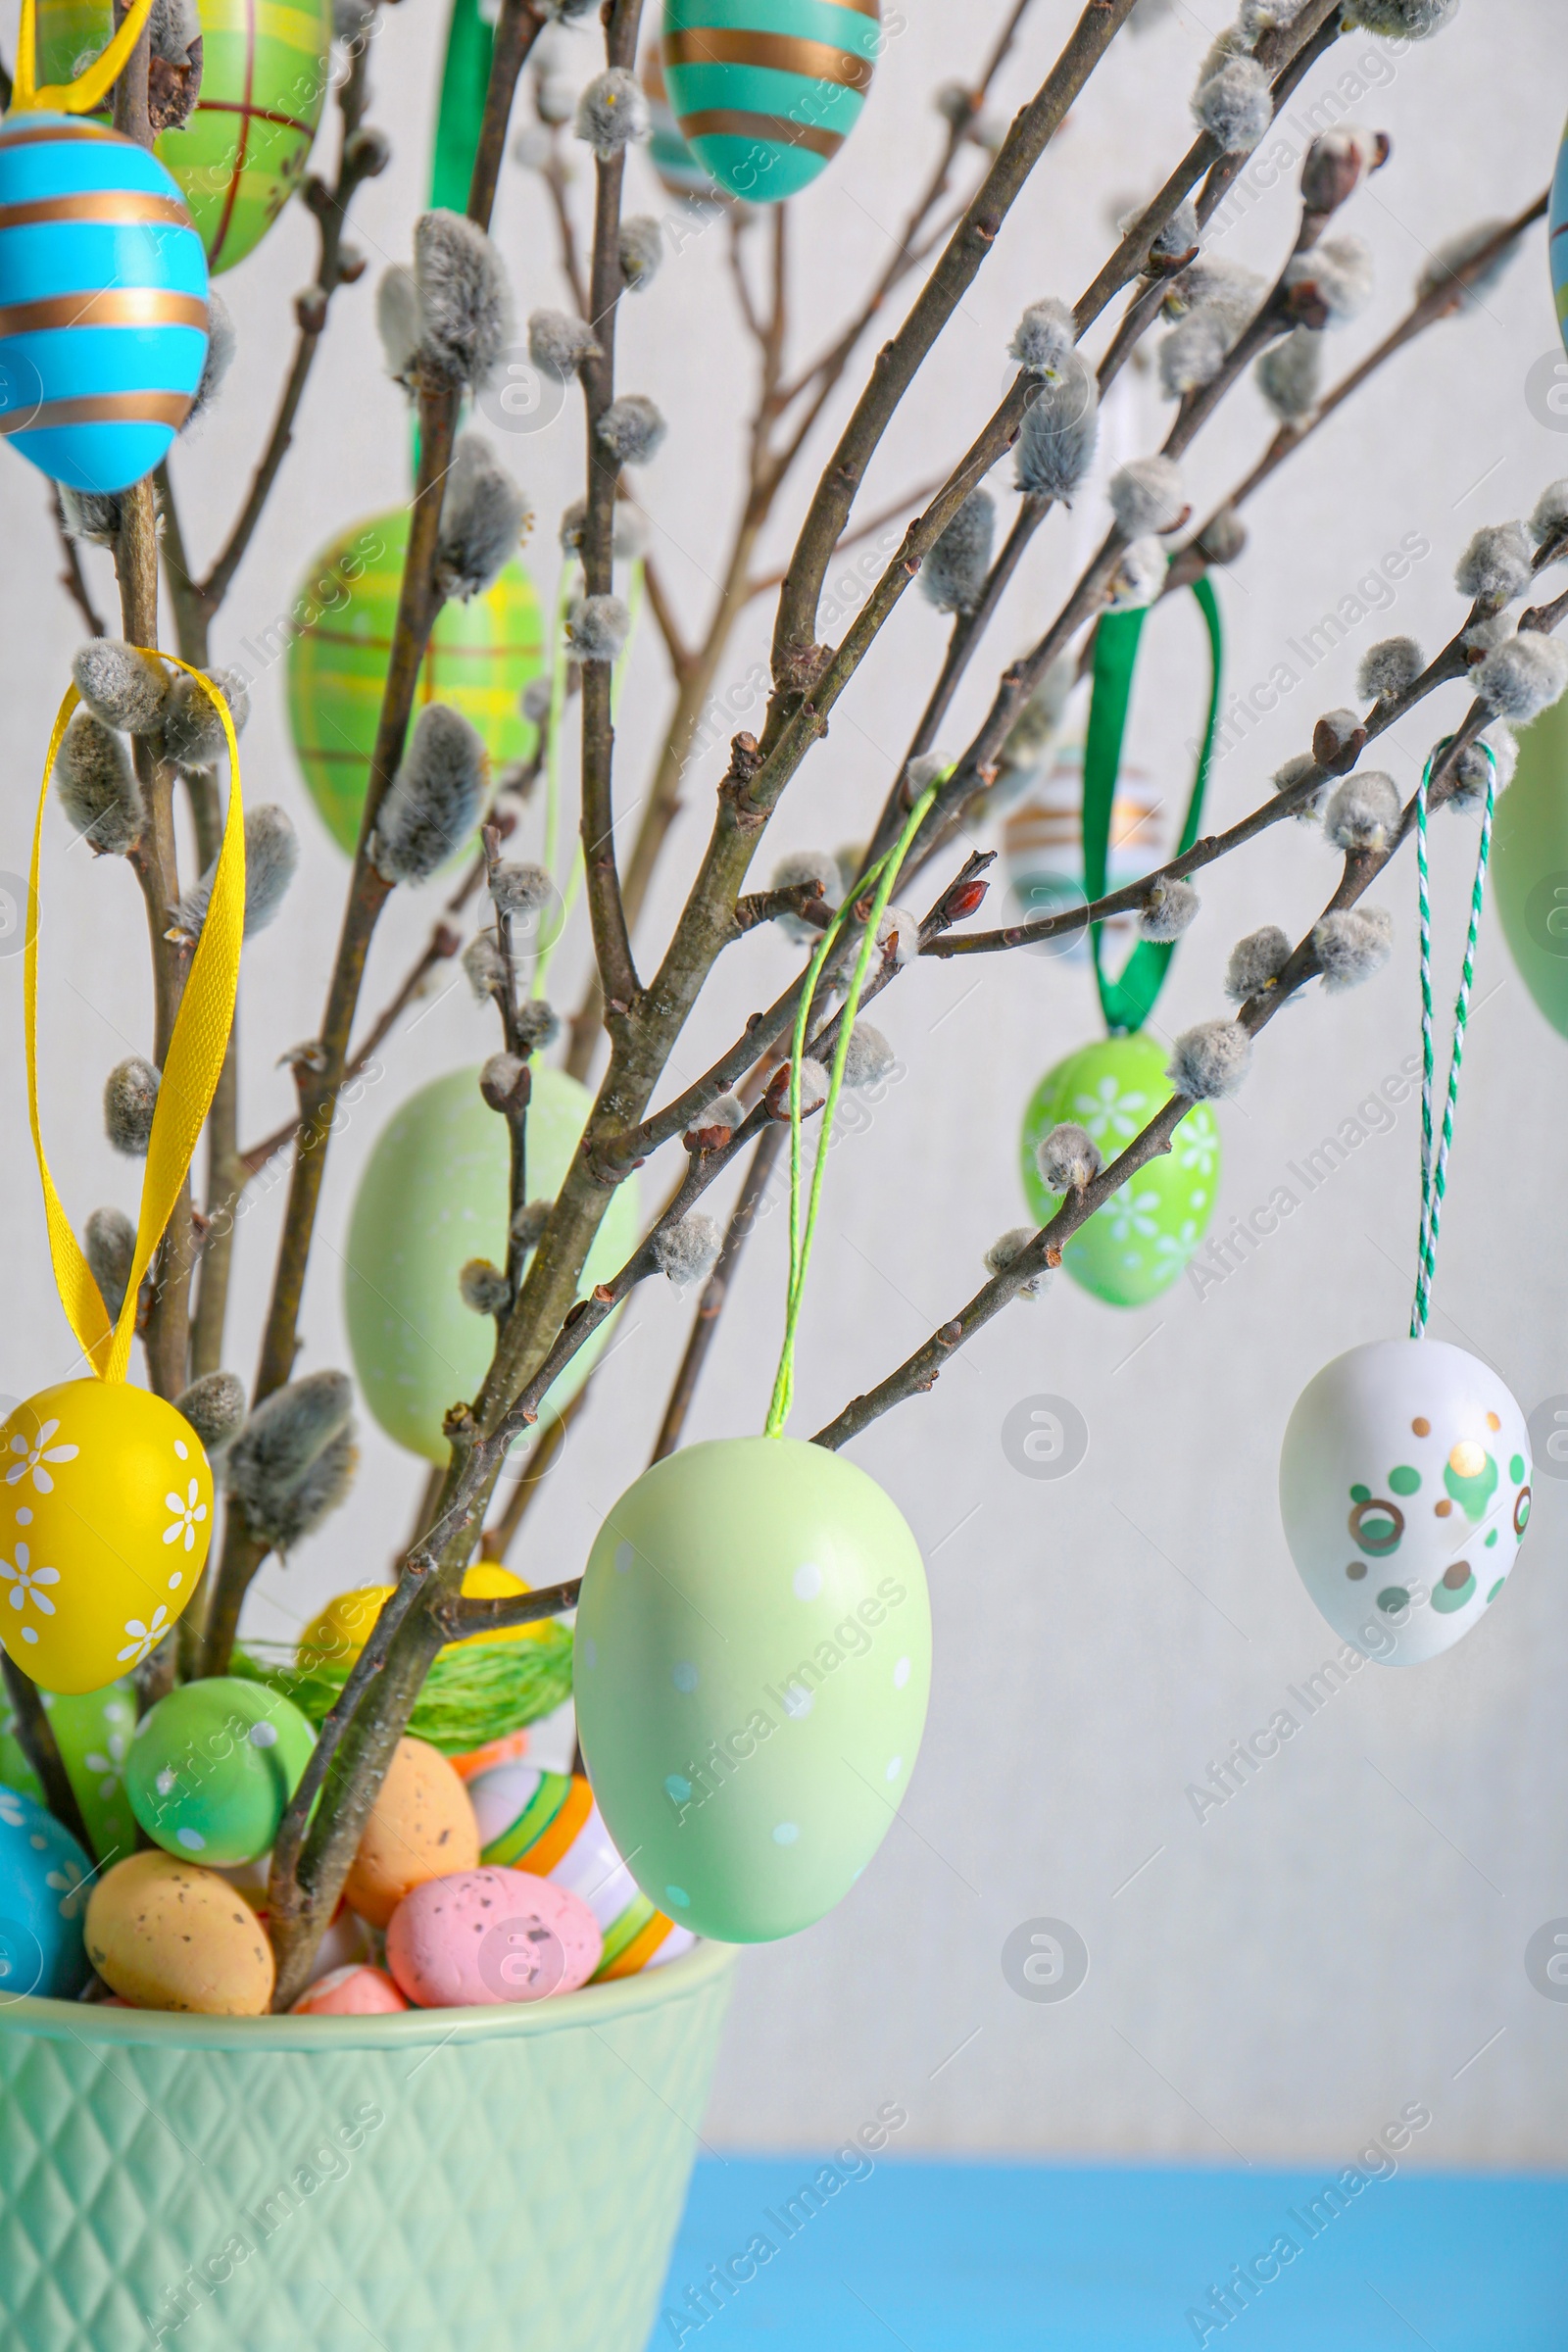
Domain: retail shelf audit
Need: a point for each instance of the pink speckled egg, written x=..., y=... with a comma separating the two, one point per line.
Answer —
x=483, y=1936
x=357, y=1990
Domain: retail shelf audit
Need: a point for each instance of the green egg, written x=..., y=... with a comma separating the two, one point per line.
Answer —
x=433, y=1195
x=211, y=1767
x=1530, y=862
x=92, y=1730
x=1135, y=1247
x=753, y=1665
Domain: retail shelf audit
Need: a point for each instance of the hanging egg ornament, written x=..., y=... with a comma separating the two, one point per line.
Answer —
x=1041, y=845
x=546, y=1823
x=1530, y=862
x=435, y=1193
x=1134, y=1247
x=92, y=1732
x=679, y=171
x=1404, y=1489
x=266, y=70
x=44, y=1878
x=106, y=1512
x=766, y=91
x=1557, y=237
x=753, y=1665
x=103, y=302
x=213, y=1767
x=480, y=656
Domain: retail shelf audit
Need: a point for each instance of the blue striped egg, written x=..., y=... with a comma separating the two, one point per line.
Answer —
x=103, y=302
x=1558, y=236
x=766, y=91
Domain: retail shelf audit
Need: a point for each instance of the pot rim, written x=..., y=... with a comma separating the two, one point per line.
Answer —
x=94, y=2024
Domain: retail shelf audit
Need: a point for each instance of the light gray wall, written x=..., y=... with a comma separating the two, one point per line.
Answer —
x=1341, y=1939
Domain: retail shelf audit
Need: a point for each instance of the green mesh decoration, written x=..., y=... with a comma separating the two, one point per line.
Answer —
x=476, y=1692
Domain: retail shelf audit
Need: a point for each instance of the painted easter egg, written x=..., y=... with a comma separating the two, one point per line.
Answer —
x=679, y=171
x=546, y=1823
x=480, y=656
x=103, y=302
x=213, y=1767
x=421, y=1827
x=486, y=1937
x=1134, y=1247
x=106, y=1512
x=1557, y=237
x=765, y=92
x=1404, y=1489
x=435, y=1193
x=509, y=1748
x=92, y=1732
x=43, y=1893
x=359, y=1990
x=1530, y=862
x=1041, y=845
x=265, y=73
x=338, y=1635
x=168, y=1935
x=752, y=1664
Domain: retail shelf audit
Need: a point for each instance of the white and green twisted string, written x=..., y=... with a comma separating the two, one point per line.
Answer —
x=1435, y=1166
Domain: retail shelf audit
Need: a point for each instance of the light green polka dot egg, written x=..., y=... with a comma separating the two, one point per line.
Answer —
x=752, y=1667
x=1137, y=1244
x=213, y=1766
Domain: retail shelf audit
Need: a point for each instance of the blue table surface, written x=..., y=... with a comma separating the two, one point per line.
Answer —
x=975, y=2257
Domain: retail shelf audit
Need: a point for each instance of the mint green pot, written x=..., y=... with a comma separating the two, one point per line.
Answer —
x=453, y=2180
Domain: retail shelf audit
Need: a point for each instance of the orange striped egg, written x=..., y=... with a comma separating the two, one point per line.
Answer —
x=548, y=1822
x=766, y=91
x=103, y=302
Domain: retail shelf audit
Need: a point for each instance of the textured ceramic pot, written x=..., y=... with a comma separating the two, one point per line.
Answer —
x=445, y=2180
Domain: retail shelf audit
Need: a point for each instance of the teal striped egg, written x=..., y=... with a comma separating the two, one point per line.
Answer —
x=103, y=302
x=1558, y=236
x=766, y=91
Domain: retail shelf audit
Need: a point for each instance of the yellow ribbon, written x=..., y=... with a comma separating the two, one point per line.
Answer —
x=81, y=96
x=190, y=1070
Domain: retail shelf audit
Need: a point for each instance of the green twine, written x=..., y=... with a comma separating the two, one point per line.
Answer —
x=883, y=874
x=476, y=1692
x=1435, y=1167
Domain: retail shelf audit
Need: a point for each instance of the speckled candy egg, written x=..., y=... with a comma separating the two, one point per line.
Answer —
x=92, y=1732
x=490, y=1936
x=766, y=91
x=1136, y=1245
x=752, y=1664
x=106, y=1512
x=1404, y=1489
x=213, y=1766
x=434, y=1194
x=546, y=1823
x=355, y=1991
x=43, y=1876
x=421, y=1827
x=166, y=1935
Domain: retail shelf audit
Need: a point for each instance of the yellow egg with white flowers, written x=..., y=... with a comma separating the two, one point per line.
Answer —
x=106, y=1513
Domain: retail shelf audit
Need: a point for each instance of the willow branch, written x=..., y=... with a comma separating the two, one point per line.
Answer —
x=72, y=578
x=35, y=1736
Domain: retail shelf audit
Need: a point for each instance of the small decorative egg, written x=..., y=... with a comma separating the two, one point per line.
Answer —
x=213, y=1767
x=106, y=1512
x=1557, y=237
x=509, y=1748
x=359, y=1990
x=264, y=75
x=766, y=91
x=103, y=302
x=421, y=1827
x=546, y=1823
x=679, y=171
x=1530, y=851
x=435, y=1193
x=92, y=1732
x=338, y=1635
x=1404, y=1489
x=752, y=1664
x=489, y=1935
x=43, y=1892
x=480, y=656
x=166, y=1935
x=1134, y=1247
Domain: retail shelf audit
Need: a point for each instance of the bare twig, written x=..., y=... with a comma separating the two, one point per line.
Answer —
x=35, y=1736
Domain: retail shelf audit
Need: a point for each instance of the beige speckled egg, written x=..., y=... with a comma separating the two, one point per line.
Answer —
x=423, y=1826
x=165, y=1934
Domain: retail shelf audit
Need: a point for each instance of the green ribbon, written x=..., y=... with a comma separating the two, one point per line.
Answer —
x=464, y=80
x=1128, y=1000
